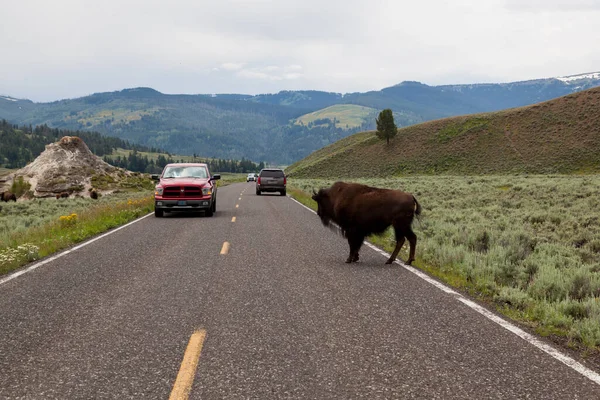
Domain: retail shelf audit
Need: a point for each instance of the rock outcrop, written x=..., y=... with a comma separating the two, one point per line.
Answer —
x=66, y=166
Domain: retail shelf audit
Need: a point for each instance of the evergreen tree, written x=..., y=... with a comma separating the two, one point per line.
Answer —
x=386, y=128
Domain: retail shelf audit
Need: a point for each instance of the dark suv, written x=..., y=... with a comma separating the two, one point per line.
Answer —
x=271, y=180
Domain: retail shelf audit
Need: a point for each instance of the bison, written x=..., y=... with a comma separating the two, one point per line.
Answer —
x=361, y=210
x=63, y=194
x=7, y=196
x=93, y=194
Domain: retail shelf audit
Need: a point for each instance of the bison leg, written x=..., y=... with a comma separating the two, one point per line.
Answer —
x=412, y=239
x=355, y=241
x=402, y=232
x=399, y=244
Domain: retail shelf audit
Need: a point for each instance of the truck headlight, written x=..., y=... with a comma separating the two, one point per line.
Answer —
x=206, y=191
x=158, y=191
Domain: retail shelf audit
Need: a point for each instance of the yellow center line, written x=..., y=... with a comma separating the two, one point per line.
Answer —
x=225, y=248
x=237, y=206
x=187, y=371
x=233, y=219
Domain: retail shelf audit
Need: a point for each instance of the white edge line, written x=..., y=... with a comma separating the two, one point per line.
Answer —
x=568, y=361
x=52, y=258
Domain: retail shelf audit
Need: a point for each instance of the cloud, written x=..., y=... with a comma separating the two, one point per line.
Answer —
x=232, y=66
x=271, y=73
x=260, y=46
x=253, y=74
x=552, y=5
x=292, y=76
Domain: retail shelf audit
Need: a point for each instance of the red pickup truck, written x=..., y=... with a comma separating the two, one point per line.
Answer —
x=185, y=187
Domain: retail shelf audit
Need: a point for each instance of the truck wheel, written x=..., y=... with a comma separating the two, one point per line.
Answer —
x=158, y=213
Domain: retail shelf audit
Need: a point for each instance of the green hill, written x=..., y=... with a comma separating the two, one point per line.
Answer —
x=345, y=116
x=557, y=136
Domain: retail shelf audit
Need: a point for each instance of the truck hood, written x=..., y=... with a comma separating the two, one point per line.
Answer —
x=184, y=182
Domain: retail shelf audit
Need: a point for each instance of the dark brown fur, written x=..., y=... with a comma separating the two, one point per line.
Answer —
x=93, y=194
x=7, y=196
x=361, y=210
x=63, y=194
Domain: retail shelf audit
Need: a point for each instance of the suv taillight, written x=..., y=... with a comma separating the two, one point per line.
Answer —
x=258, y=181
x=285, y=180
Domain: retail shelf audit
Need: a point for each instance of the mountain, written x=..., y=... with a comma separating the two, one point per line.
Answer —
x=556, y=136
x=266, y=127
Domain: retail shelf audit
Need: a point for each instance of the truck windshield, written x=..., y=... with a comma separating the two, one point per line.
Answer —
x=185, y=172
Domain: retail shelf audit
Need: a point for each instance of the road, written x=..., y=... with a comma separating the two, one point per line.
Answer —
x=283, y=317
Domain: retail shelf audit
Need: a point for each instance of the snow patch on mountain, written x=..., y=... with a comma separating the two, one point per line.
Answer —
x=571, y=78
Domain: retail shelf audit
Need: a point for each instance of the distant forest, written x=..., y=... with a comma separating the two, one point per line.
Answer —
x=19, y=145
x=140, y=163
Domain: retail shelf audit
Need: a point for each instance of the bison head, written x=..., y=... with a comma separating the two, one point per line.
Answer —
x=324, y=205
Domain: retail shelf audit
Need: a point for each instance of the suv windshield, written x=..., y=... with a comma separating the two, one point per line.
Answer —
x=272, y=173
x=185, y=172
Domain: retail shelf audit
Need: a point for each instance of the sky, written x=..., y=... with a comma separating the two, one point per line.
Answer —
x=61, y=49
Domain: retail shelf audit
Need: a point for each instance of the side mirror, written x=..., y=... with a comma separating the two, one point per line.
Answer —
x=215, y=177
x=155, y=177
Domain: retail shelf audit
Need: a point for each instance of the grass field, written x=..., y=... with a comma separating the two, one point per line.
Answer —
x=530, y=245
x=347, y=116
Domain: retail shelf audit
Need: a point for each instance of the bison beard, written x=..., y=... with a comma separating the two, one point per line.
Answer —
x=361, y=210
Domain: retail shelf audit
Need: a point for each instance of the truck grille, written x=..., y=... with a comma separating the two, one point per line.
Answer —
x=182, y=191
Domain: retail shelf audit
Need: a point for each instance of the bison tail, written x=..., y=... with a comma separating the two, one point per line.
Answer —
x=418, y=208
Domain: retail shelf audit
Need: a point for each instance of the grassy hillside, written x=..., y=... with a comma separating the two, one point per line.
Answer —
x=346, y=116
x=124, y=153
x=557, y=136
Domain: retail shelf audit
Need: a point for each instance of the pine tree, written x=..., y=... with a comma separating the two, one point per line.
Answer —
x=386, y=128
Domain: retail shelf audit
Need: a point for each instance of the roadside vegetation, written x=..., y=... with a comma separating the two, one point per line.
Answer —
x=528, y=245
x=31, y=230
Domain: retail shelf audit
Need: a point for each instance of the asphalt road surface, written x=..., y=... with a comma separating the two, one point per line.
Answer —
x=282, y=317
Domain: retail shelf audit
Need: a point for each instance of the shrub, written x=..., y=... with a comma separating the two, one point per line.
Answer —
x=513, y=297
x=20, y=186
x=574, y=309
x=588, y=331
